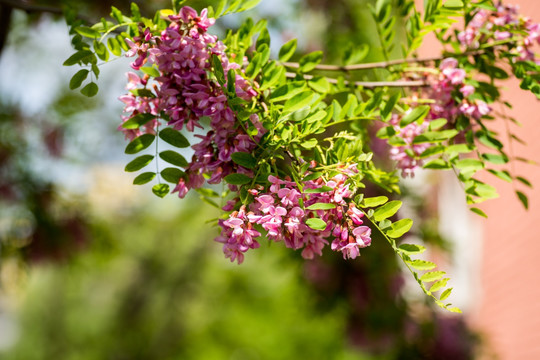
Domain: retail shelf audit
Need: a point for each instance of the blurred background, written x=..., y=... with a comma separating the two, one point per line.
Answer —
x=93, y=267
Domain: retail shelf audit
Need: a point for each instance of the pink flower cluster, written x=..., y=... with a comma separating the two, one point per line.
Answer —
x=504, y=23
x=283, y=212
x=407, y=156
x=443, y=90
x=185, y=93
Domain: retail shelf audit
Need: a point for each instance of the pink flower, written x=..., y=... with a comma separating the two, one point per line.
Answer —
x=363, y=235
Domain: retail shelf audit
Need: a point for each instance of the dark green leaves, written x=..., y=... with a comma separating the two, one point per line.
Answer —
x=237, y=179
x=138, y=163
x=140, y=143
x=523, y=198
x=78, y=57
x=173, y=137
x=90, y=89
x=172, y=175
x=137, y=121
x=78, y=78
x=244, y=159
x=218, y=69
x=172, y=157
x=160, y=190
x=144, y=178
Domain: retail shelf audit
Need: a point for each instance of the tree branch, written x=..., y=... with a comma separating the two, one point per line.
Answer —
x=381, y=64
x=371, y=84
x=22, y=5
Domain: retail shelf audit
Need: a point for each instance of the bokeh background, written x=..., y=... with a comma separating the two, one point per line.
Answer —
x=93, y=267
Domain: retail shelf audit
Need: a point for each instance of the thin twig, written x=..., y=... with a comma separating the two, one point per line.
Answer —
x=381, y=64
x=370, y=84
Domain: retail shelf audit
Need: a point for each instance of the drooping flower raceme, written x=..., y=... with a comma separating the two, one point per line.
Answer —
x=451, y=97
x=306, y=219
x=183, y=93
x=504, y=23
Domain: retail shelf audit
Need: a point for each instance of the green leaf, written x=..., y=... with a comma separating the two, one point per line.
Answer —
x=432, y=276
x=496, y=158
x=374, y=201
x=387, y=210
x=468, y=165
x=218, y=69
x=152, y=71
x=436, y=124
x=399, y=228
x=78, y=57
x=78, y=78
x=422, y=265
x=438, y=285
x=445, y=294
x=523, y=198
x=453, y=4
x=172, y=157
x=143, y=93
x=319, y=84
x=417, y=114
x=524, y=181
x=137, y=121
x=437, y=164
x=298, y=101
x=101, y=50
x=140, y=143
x=173, y=137
x=244, y=159
x=312, y=176
x=87, y=32
x=247, y=4
x=144, y=178
x=138, y=163
x=435, y=136
x=285, y=92
x=503, y=175
x=309, y=144
x=316, y=224
x=114, y=46
x=411, y=249
x=90, y=89
x=160, y=190
x=172, y=175
x=321, y=206
x=287, y=50
x=479, y=212
x=386, y=112
x=309, y=61
x=237, y=179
